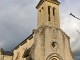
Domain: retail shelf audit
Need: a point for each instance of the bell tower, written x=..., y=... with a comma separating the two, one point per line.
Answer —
x=48, y=13
x=50, y=42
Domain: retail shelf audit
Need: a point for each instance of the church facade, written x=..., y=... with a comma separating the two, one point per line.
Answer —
x=47, y=42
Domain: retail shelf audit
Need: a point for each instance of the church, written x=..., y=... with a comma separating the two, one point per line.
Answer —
x=47, y=42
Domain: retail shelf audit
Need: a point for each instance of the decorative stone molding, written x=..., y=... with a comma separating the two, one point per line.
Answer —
x=54, y=56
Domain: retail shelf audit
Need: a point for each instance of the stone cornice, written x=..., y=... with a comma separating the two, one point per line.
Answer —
x=41, y=2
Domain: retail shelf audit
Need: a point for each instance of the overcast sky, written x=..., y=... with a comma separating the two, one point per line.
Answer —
x=19, y=17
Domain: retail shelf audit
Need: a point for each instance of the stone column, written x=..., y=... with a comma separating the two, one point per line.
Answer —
x=46, y=13
x=41, y=19
x=57, y=17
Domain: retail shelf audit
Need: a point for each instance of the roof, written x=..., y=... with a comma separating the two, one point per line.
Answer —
x=29, y=37
x=9, y=53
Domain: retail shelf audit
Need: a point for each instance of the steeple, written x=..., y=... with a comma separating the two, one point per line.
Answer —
x=48, y=13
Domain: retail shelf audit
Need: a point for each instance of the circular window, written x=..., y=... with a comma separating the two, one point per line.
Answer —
x=54, y=45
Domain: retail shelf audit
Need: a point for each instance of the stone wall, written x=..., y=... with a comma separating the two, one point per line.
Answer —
x=50, y=42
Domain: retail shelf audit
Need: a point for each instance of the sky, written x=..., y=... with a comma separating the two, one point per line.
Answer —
x=19, y=17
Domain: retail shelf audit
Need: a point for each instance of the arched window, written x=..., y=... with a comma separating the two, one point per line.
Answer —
x=48, y=13
x=48, y=10
x=53, y=11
